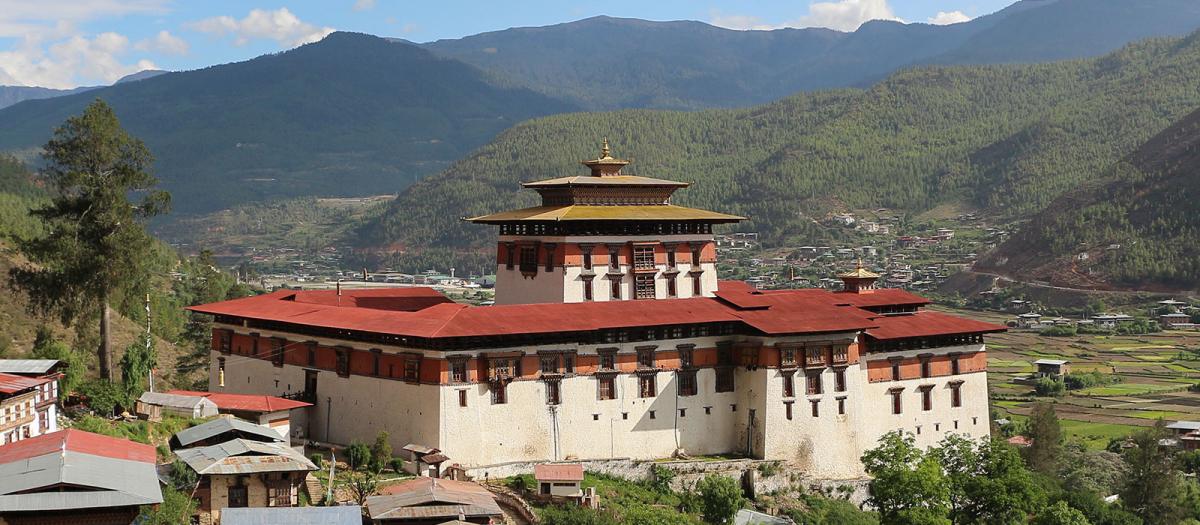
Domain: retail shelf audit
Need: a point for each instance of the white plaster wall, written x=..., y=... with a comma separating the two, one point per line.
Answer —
x=826, y=446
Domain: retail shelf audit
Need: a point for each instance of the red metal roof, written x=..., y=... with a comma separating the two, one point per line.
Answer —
x=774, y=312
x=927, y=323
x=558, y=472
x=11, y=384
x=245, y=402
x=77, y=441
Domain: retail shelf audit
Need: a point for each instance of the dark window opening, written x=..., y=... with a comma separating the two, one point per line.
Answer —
x=839, y=380
x=608, y=388
x=956, y=395
x=687, y=383
x=816, y=407
x=896, y=402
x=927, y=399
x=814, y=383
x=462, y=398
x=646, y=386
x=841, y=406
x=788, y=386
x=643, y=257
x=787, y=410
x=644, y=285
x=529, y=259
x=552, y=393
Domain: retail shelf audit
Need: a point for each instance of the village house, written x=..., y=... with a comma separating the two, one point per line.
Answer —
x=563, y=480
x=433, y=501
x=612, y=337
x=154, y=405
x=1110, y=321
x=28, y=407
x=32, y=368
x=71, y=477
x=1176, y=321
x=221, y=430
x=245, y=473
x=1029, y=320
x=269, y=411
x=1052, y=368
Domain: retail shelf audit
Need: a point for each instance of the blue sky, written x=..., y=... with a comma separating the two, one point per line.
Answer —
x=67, y=43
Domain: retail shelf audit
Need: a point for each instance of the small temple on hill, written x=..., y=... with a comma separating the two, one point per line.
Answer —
x=612, y=337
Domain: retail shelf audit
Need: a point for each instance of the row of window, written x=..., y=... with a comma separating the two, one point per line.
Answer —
x=926, y=366
x=813, y=383
x=926, y=393
x=614, y=228
x=606, y=386
x=815, y=407
x=643, y=286
x=642, y=256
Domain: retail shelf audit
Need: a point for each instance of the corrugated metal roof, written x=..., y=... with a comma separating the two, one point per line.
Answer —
x=341, y=515
x=583, y=212
x=176, y=401
x=11, y=384
x=241, y=456
x=227, y=425
x=113, y=477
x=27, y=366
x=430, y=498
x=246, y=402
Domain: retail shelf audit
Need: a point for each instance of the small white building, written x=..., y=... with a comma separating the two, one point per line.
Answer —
x=559, y=479
x=154, y=405
x=1029, y=320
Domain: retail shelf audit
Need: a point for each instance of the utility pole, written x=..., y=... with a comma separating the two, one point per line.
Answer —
x=149, y=342
x=328, y=416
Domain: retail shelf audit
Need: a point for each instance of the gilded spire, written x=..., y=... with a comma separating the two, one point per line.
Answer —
x=605, y=151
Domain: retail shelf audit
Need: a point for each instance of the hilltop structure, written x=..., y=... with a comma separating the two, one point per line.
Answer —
x=659, y=360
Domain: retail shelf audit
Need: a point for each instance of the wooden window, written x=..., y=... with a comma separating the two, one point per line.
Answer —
x=816, y=407
x=646, y=386
x=552, y=393
x=814, y=383
x=841, y=354
x=614, y=260
x=312, y=353
x=696, y=290
x=462, y=398
x=237, y=495
x=343, y=362
x=502, y=368
x=725, y=354
x=687, y=383
x=643, y=257
x=254, y=345
x=549, y=257
x=568, y=363
x=789, y=387
x=614, y=287
x=671, y=256
x=499, y=393
x=814, y=356
x=787, y=357
x=529, y=259
x=608, y=388
x=458, y=371
x=550, y=364
x=897, y=405
x=954, y=369
x=587, y=288
x=224, y=341
x=510, y=256
x=587, y=257
x=725, y=379
x=696, y=255
x=644, y=285
x=926, y=368
x=841, y=402
x=839, y=380
x=645, y=357
x=279, y=493
x=608, y=359
x=686, y=357
x=787, y=410
x=927, y=398
x=671, y=291
x=376, y=354
x=895, y=369
x=412, y=369
x=956, y=395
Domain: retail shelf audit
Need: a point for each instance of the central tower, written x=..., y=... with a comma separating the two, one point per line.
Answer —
x=606, y=236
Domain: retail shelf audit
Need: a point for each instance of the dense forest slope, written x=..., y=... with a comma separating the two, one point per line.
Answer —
x=350, y=115
x=1136, y=226
x=1006, y=138
x=610, y=63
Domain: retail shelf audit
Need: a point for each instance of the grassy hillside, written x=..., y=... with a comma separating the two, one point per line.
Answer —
x=1136, y=226
x=611, y=63
x=1005, y=138
x=350, y=115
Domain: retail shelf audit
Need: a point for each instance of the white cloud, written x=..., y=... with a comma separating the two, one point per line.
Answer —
x=164, y=42
x=943, y=18
x=49, y=50
x=364, y=5
x=279, y=25
x=67, y=62
x=841, y=15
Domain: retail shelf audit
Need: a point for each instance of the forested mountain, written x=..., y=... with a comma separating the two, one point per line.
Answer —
x=350, y=115
x=1137, y=226
x=1008, y=138
x=10, y=95
x=610, y=63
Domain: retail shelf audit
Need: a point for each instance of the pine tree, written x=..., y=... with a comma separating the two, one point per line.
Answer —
x=1046, y=434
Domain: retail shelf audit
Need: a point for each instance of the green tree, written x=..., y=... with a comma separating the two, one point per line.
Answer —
x=138, y=360
x=177, y=507
x=721, y=498
x=381, y=452
x=362, y=485
x=1046, y=434
x=988, y=482
x=72, y=364
x=1061, y=514
x=907, y=486
x=96, y=244
x=1096, y=471
x=358, y=455
x=1153, y=489
x=103, y=396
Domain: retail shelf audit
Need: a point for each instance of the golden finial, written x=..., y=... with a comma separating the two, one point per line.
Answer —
x=605, y=152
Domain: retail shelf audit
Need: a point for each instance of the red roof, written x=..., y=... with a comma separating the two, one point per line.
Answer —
x=775, y=312
x=245, y=402
x=558, y=472
x=77, y=441
x=927, y=323
x=11, y=384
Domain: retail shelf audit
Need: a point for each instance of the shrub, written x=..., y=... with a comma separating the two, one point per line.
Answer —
x=660, y=478
x=317, y=459
x=1079, y=381
x=1049, y=387
x=381, y=452
x=358, y=455
x=397, y=465
x=721, y=497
